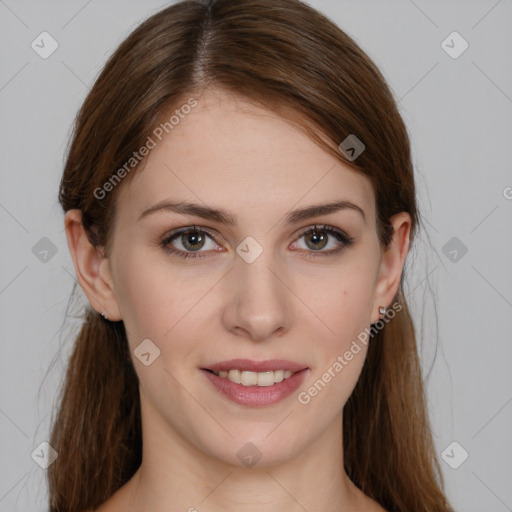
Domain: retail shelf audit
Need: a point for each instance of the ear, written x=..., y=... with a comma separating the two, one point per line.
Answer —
x=91, y=267
x=392, y=263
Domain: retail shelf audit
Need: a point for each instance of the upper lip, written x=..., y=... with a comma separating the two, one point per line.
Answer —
x=256, y=366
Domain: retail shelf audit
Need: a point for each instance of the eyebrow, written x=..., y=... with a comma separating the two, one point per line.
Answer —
x=230, y=219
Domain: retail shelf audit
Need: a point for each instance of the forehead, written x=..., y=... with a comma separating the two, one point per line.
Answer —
x=232, y=154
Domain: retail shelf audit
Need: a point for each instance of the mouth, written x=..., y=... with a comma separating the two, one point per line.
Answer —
x=248, y=378
x=255, y=373
x=255, y=383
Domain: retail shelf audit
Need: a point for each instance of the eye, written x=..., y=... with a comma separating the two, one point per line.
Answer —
x=317, y=238
x=191, y=239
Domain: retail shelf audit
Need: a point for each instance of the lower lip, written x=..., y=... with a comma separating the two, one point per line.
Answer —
x=256, y=396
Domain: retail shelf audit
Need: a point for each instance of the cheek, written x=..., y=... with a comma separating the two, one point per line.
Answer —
x=141, y=302
x=343, y=297
x=148, y=301
x=341, y=355
x=158, y=299
x=343, y=303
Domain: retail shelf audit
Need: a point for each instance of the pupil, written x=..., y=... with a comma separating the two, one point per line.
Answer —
x=316, y=237
x=193, y=238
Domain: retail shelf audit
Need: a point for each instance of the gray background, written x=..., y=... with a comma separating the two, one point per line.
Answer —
x=458, y=112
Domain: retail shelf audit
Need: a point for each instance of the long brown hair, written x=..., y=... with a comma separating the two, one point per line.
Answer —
x=291, y=59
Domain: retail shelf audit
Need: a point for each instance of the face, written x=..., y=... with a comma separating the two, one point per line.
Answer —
x=265, y=286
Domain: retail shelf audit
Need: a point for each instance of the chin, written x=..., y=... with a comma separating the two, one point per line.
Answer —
x=259, y=449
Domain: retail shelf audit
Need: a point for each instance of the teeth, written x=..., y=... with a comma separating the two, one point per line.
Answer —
x=278, y=375
x=249, y=378
x=255, y=378
x=234, y=376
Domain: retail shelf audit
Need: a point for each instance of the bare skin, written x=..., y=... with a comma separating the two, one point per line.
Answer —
x=230, y=154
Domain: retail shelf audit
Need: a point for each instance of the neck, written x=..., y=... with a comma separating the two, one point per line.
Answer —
x=176, y=475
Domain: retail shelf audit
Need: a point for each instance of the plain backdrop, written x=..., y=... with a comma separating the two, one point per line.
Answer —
x=458, y=109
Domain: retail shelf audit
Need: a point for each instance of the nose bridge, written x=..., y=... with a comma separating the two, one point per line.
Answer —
x=259, y=301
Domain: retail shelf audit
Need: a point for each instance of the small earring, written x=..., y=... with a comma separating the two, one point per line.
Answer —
x=382, y=310
x=104, y=316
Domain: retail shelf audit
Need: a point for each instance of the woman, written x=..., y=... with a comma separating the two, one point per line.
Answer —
x=240, y=203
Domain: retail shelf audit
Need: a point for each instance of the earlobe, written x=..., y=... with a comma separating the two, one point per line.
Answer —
x=91, y=267
x=391, y=264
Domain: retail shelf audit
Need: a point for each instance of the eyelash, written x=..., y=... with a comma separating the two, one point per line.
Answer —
x=343, y=239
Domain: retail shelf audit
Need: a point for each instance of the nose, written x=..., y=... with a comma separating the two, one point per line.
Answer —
x=260, y=303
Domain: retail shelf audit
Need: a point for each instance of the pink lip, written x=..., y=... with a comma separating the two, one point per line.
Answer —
x=256, y=396
x=256, y=366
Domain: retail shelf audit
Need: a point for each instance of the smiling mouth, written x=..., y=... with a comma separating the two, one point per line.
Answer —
x=248, y=378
